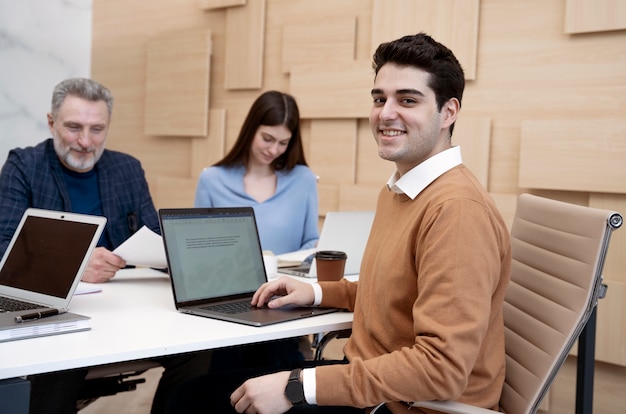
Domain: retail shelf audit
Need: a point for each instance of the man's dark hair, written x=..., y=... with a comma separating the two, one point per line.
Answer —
x=423, y=52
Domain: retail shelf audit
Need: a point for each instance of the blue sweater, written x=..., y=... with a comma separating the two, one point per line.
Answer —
x=287, y=221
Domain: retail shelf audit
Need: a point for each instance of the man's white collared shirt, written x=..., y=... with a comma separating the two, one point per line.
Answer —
x=419, y=177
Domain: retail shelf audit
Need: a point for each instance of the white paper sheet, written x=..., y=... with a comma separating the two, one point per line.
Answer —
x=85, y=288
x=144, y=248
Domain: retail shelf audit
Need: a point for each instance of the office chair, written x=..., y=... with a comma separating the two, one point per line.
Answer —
x=556, y=280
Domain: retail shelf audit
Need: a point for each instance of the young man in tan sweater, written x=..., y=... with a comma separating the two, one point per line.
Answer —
x=428, y=321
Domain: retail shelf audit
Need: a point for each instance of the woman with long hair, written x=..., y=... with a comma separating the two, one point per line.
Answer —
x=266, y=169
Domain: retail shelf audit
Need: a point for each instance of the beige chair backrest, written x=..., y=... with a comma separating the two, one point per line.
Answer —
x=558, y=255
x=556, y=279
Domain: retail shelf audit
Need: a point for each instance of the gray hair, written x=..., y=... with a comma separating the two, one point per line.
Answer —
x=83, y=88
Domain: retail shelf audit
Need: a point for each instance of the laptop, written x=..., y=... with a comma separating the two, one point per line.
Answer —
x=215, y=263
x=45, y=259
x=346, y=231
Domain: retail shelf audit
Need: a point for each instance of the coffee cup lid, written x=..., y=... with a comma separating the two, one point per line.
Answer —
x=331, y=254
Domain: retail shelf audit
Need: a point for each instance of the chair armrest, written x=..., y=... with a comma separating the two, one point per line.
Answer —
x=452, y=407
x=329, y=336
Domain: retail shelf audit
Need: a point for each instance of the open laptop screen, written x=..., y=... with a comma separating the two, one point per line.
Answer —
x=46, y=255
x=212, y=252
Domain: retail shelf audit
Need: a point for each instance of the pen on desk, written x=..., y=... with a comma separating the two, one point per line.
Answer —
x=38, y=315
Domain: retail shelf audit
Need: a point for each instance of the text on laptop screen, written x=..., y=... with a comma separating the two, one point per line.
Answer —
x=56, y=244
x=203, y=249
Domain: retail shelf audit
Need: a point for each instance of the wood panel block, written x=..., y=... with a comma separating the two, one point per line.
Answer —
x=219, y=4
x=171, y=192
x=245, y=40
x=358, y=197
x=177, y=83
x=615, y=265
x=473, y=134
x=206, y=151
x=583, y=16
x=332, y=151
x=453, y=23
x=507, y=205
x=575, y=155
x=328, y=198
x=610, y=334
x=318, y=42
x=333, y=89
x=370, y=168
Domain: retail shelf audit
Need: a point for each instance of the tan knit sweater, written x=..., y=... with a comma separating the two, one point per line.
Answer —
x=428, y=305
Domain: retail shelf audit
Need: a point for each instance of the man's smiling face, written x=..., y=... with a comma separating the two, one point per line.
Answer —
x=404, y=119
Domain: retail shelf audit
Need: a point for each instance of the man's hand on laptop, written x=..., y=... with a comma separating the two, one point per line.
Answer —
x=102, y=266
x=284, y=291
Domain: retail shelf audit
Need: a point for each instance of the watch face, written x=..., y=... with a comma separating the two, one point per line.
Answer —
x=295, y=392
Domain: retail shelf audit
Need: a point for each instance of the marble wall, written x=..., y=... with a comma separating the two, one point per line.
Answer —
x=41, y=43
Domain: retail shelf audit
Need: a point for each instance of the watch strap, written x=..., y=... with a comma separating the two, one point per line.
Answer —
x=294, y=375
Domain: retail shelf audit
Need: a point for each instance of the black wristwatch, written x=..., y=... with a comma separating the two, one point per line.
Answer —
x=294, y=391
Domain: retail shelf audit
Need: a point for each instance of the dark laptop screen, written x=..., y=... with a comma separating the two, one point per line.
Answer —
x=212, y=253
x=46, y=255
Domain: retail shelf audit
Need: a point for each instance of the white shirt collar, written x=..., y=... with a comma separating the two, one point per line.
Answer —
x=419, y=177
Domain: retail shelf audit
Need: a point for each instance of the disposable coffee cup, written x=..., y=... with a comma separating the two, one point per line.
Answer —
x=330, y=265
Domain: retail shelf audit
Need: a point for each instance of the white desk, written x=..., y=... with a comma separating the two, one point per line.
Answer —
x=134, y=318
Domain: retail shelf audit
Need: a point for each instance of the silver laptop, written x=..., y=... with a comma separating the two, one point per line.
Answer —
x=216, y=264
x=346, y=231
x=46, y=258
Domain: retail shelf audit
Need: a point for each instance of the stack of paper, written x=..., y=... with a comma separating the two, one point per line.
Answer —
x=293, y=259
x=11, y=330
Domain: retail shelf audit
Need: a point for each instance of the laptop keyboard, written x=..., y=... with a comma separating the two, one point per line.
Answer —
x=231, y=308
x=13, y=305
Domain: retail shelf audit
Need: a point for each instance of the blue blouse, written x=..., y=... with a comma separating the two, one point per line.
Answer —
x=287, y=221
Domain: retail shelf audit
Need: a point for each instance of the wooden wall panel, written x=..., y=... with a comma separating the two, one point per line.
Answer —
x=575, y=155
x=583, y=16
x=319, y=42
x=333, y=89
x=370, y=168
x=245, y=40
x=174, y=192
x=328, y=198
x=206, y=151
x=507, y=205
x=219, y=4
x=451, y=22
x=177, y=83
x=473, y=134
x=332, y=152
x=358, y=197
